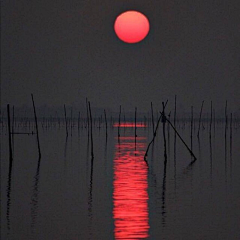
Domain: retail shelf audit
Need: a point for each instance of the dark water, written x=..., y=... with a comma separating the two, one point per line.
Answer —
x=67, y=195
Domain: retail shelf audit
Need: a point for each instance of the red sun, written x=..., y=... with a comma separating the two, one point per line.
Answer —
x=131, y=26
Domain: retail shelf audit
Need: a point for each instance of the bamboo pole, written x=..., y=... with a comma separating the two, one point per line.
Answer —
x=154, y=134
x=182, y=139
x=135, y=122
x=105, y=116
x=226, y=119
x=78, y=120
x=87, y=116
x=175, y=136
x=65, y=114
x=168, y=134
x=164, y=133
x=71, y=120
x=36, y=123
x=200, y=119
x=210, y=129
x=231, y=127
x=13, y=122
x=175, y=110
x=119, y=121
x=90, y=113
x=9, y=134
x=231, y=137
x=191, y=125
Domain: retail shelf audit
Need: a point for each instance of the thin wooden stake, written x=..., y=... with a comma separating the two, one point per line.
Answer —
x=78, y=120
x=226, y=119
x=231, y=126
x=182, y=140
x=90, y=113
x=119, y=122
x=66, y=123
x=135, y=122
x=154, y=134
x=191, y=125
x=175, y=137
x=175, y=110
x=231, y=136
x=210, y=129
x=71, y=120
x=200, y=119
x=87, y=116
x=9, y=134
x=35, y=116
x=105, y=116
x=164, y=134
x=13, y=122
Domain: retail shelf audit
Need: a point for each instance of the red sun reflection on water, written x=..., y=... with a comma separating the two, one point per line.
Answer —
x=130, y=190
x=130, y=125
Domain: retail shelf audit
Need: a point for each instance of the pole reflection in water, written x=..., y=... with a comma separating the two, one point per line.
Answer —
x=130, y=195
x=34, y=203
x=9, y=194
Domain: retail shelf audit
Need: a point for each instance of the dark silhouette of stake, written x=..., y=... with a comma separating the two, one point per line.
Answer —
x=34, y=202
x=200, y=119
x=210, y=149
x=105, y=116
x=9, y=134
x=192, y=154
x=226, y=125
x=164, y=190
x=90, y=113
x=231, y=127
x=135, y=122
x=164, y=133
x=119, y=121
x=13, y=119
x=78, y=120
x=231, y=141
x=90, y=197
x=13, y=122
x=175, y=136
x=191, y=125
x=226, y=120
x=210, y=129
x=71, y=121
x=65, y=114
x=36, y=123
x=9, y=194
x=175, y=110
x=87, y=116
x=154, y=134
x=168, y=131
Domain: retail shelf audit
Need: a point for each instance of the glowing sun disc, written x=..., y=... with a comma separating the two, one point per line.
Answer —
x=131, y=26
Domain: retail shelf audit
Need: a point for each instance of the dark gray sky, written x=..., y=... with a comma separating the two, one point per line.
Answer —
x=65, y=51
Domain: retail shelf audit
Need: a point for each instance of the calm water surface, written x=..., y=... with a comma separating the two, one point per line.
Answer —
x=67, y=195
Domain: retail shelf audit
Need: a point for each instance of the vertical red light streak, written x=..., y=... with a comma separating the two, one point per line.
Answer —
x=130, y=190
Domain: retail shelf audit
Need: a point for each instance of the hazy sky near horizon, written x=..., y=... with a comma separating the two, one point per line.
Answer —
x=65, y=51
